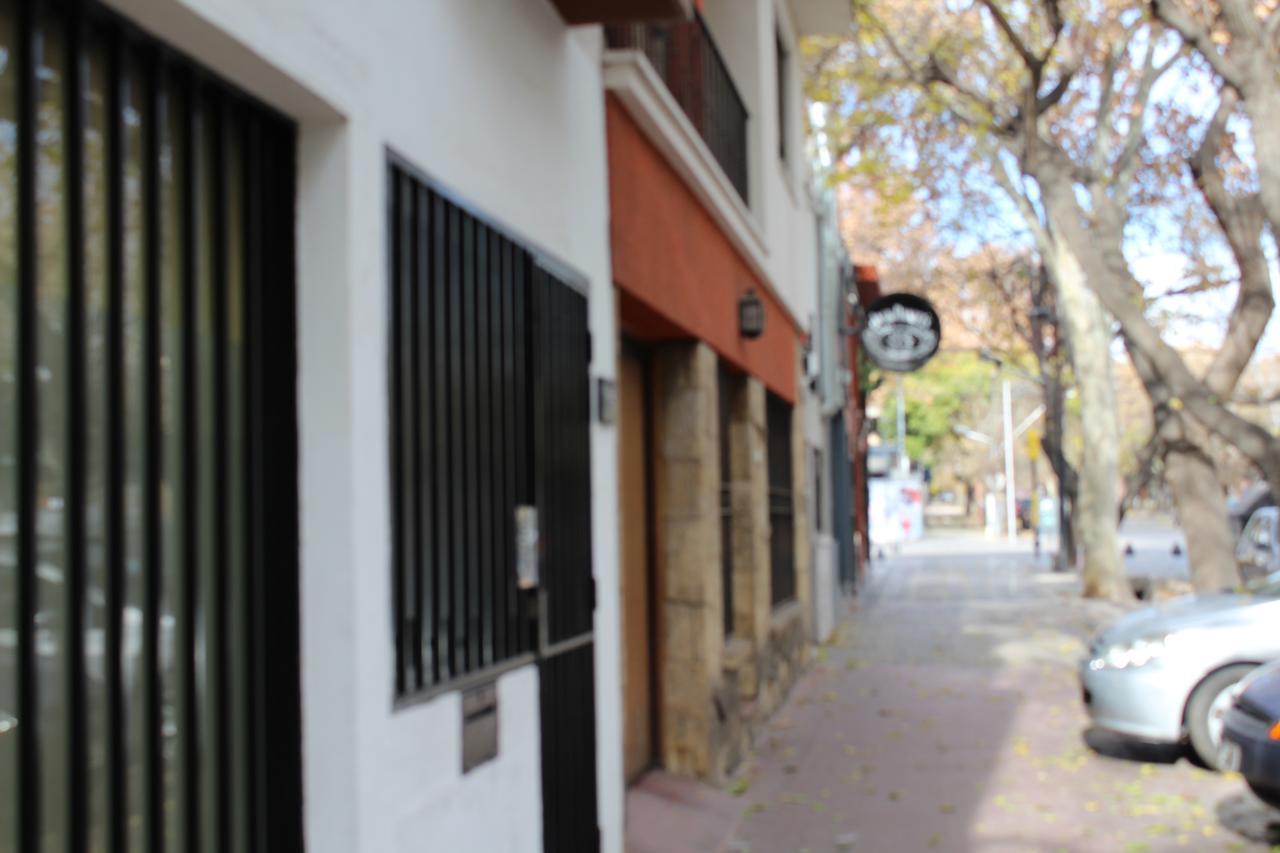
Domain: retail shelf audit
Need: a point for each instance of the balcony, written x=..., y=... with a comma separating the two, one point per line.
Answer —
x=686, y=58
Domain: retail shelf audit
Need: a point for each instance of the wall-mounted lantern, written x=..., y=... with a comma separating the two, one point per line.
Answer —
x=750, y=315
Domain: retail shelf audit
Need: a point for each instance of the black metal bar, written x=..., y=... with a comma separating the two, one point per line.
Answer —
x=282, y=640
x=469, y=565
x=442, y=223
x=255, y=460
x=423, y=438
x=188, y=599
x=77, y=717
x=497, y=508
x=239, y=649
x=410, y=465
x=484, y=420
x=117, y=799
x=523, y=425
x=221, y=831
x=509, y=454
x=30, y=807
x=410, y=534
x=457, y=439
x=152, y=560
x=781, y=509
x=538, y=355
x=396, y=437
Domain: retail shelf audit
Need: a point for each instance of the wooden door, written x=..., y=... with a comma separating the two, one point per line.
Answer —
x=637, y=681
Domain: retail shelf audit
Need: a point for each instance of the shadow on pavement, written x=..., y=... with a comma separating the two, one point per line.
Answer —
x=1112, y=745
x=1247, y=816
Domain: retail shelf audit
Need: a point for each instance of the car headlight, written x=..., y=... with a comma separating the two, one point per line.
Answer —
x=1139, y=652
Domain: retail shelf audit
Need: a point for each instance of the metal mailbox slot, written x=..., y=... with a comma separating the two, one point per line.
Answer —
x=479, y=725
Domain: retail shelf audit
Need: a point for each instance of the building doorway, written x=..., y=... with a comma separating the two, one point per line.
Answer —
x=639, y=618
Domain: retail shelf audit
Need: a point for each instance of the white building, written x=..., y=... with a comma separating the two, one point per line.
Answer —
x=309, y=513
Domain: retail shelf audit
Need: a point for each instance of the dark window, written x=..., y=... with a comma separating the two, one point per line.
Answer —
x=819, y=521
x=147, y=448
x=782, y=537
x=726, y=387
x=462, y=436
x=782, y=59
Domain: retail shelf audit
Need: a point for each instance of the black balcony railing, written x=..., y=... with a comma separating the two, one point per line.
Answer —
x=688, y=61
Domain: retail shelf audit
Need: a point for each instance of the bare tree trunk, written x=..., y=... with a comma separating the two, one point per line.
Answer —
x=1088, y=332
x=1202, y=510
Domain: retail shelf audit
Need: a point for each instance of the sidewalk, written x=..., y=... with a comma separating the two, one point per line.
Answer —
x=946, y=716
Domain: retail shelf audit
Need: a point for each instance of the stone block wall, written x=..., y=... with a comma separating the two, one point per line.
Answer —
x=687, y=522
x=715, y=692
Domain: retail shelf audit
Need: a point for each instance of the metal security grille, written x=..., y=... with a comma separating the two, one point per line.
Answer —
x=566, y=651
x=567, y=685
x=490, y=411
x=462, y=442
x=562, y=458
x=782, y=537
x=149, y=626
x=725, y=392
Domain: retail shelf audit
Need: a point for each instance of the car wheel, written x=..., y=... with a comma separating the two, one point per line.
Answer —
x=1207, y=709
x=1270, y=796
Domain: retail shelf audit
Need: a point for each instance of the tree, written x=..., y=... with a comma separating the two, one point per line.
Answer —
x=954, y=126
x=1050, y=101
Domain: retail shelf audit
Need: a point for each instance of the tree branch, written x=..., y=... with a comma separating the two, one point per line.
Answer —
x=1034, y=63
x=1127, y=163
x=1243, y=222
x=1173, y=13
x=1271, y=29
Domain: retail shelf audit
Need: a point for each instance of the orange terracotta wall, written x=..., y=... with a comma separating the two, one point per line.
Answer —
x=679, y=275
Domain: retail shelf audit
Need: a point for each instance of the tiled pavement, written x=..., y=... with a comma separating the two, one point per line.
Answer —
x=946, y=716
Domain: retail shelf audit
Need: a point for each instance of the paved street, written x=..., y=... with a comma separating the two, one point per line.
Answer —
x=946, y=716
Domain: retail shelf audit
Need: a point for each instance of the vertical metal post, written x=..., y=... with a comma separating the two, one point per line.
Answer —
x=1033, y=514
x=1011, y=517
x=904, y=466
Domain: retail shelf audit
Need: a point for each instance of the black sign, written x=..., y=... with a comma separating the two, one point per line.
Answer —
x=902, y=332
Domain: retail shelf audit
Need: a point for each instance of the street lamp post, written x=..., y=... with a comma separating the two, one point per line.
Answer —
x=1011, y=509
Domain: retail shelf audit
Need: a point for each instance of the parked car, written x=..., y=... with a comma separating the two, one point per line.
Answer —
x=1251, y=735
x=1165, y=673
x=1258, y=548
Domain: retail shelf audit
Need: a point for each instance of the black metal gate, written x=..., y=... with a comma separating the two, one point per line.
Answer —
x=567, y=598
x=782, y=533
x=149, y=625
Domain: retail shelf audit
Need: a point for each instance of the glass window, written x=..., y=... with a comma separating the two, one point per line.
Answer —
x=51, y=435
x=97, y=384
x=8, y=432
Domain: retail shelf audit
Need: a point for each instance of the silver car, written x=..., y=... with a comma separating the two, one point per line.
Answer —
x=1258, y=548
x=1164, y=674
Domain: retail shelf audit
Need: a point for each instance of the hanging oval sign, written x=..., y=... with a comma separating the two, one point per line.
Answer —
x=902, y=332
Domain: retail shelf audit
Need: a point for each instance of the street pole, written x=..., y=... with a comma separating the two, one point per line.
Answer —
x=1011, y=510
x=903, y=465
x=1034, y=514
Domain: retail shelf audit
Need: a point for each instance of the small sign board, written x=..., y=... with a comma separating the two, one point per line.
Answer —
x=902, y=332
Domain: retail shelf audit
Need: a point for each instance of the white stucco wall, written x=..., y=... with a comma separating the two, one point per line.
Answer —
x=502, y=104
x=744, y=30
